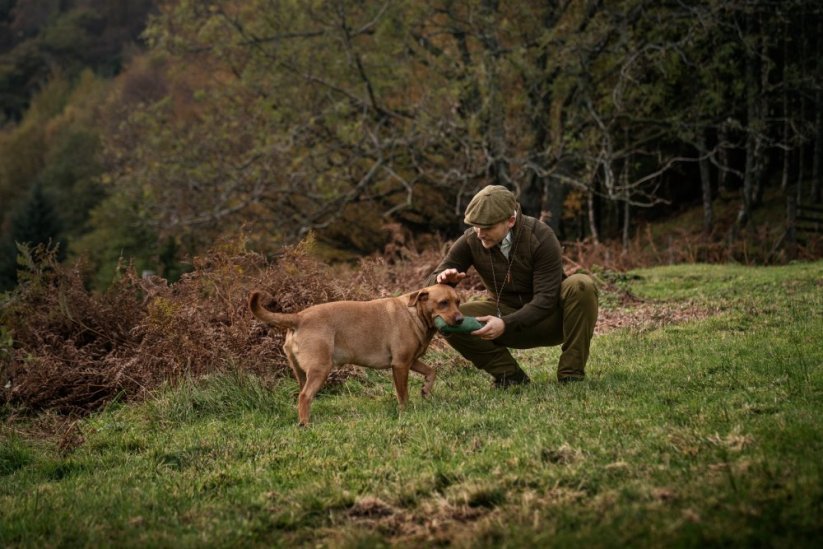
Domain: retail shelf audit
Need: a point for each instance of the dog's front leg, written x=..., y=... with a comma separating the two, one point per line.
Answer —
x=429, y=375
x=400, y=373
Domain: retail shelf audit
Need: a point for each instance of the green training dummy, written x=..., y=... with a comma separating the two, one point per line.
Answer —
x=468, y=325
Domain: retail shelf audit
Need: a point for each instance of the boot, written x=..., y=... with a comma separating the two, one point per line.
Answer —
x=504, y=381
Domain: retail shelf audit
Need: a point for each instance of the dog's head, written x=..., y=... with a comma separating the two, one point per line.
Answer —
x=438, y=300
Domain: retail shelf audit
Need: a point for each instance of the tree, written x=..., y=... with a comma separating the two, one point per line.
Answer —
x=56, y=148
x=38, y=35
x=298, y=119
x=35, y=223
x=337, y=116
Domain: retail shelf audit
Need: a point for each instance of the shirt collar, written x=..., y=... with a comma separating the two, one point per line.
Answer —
x=506, y=245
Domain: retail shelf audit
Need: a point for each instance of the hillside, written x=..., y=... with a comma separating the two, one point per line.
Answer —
x=696, y=430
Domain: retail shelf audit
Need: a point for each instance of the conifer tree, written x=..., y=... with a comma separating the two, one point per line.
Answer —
x=35, y=223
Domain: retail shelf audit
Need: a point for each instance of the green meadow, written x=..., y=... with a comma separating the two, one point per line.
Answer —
x=687, y=432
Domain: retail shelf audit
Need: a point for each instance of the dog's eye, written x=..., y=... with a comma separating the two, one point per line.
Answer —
x=444, y=303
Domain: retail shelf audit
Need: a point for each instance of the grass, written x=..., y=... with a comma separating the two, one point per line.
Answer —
x=687, y=434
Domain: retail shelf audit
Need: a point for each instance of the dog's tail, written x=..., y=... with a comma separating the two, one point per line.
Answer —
x=281, y=320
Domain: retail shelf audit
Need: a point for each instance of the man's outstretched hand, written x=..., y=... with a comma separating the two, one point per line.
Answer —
x=450, y=276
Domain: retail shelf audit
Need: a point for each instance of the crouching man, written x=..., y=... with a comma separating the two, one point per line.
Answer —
x=531, y=302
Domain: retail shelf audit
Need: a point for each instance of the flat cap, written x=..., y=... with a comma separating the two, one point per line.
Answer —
x=493, y=204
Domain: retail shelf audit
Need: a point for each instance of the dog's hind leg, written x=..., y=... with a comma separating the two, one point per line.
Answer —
x=315, y=359
x=429, y=375
x=315, y=378
x=289, y=347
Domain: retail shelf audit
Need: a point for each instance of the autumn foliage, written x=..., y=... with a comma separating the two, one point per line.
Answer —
x=72, y=350
x=69, y=349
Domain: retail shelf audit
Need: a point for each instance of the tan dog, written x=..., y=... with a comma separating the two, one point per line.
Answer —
x=392, y=332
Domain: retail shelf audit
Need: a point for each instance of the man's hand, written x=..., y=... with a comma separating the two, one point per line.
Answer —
x=493, y=329
x=450, y=276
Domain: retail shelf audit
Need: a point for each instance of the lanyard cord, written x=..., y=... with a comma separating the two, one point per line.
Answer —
x=499, y=291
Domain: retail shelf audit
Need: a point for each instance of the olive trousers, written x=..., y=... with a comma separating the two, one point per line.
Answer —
x=571, y=325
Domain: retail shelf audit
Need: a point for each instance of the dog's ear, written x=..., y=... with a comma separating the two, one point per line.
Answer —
x=418, y=296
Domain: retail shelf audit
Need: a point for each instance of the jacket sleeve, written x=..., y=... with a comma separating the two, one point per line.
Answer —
x=459, y=257
x=546, y=279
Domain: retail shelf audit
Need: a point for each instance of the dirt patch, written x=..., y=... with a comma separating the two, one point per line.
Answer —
x=643, y=316
x=434, y=521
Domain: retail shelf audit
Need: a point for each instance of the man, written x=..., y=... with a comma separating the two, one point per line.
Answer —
x=533, y=303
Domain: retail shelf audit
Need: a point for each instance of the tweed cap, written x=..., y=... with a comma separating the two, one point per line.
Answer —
x=493, y=204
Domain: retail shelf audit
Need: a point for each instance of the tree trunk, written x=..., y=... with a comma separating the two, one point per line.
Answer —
x=818, y=141
x=762, y=102
x=752, y=138
x=723, y=159
x=627, y=210
x=592, y=215
x=627, y=202
x=494, y=112
x=784, y=180
x=705, y=184
x=798, y=186
x=801, y=155
x=540, y=195
x=791, y=223
x=818, y=151
x=790, y=235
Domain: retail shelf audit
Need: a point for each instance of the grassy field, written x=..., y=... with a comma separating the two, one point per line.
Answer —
x=686, y=433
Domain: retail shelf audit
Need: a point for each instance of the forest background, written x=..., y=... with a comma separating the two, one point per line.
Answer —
x=325, y=150
x=146, y=130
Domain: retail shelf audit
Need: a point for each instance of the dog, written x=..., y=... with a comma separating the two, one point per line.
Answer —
x=391, y=332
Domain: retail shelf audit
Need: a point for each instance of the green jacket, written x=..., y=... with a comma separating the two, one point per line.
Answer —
x=533, y=286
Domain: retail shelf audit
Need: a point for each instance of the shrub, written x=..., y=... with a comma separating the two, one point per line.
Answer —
x=67, y=344
x=73, y=350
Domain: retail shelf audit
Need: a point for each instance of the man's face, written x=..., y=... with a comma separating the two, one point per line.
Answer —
x=494, y=235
